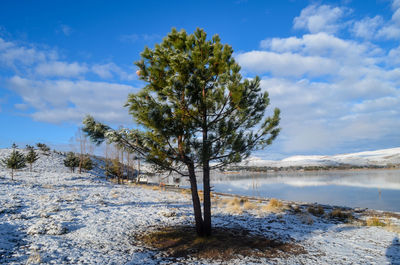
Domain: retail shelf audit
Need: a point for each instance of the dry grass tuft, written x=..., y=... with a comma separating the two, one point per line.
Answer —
x=234, y=209
x=374, y=221
x=235, y=201
x=316, y=210
x=34, y=258
x=224, y=245
x=186, y=191
x=341, y=215
x=249, y=205
x=273, y=205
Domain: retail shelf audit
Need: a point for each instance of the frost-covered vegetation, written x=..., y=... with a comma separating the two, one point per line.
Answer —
x=52, y=216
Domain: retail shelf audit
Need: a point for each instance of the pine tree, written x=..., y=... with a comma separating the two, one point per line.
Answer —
x=87, y=163
x=71, y=161
x=29, y=147
x=44, y=148
x=31, y=158
x=14, y=146
x=196, y=109
x=14, y=161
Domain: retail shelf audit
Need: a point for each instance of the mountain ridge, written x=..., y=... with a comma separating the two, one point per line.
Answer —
x=377, y=158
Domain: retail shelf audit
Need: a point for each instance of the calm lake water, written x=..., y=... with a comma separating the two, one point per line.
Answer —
x=374, y=189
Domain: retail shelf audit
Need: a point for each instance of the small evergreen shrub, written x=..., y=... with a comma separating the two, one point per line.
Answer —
x=14, y=161
x=87, y=163
x=71, y=161
x=31, y=158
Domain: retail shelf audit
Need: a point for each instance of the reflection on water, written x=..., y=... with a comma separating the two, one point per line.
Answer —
x=375, y=189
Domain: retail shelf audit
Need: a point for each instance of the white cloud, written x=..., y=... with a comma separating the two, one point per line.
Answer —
x=394, y=56
x=30, y=60
x=320, y=44
x=317, y=117
x=16, y=56
x=286, y=64
x=65, y=100
x=282, y=45
x=132, y=38
x=21, y=106
x=129, y=38
x=59, y=91
x=67, y=30
x=379, y=104
x=391, y=30
x=334, y=93
x=396, y=11
x=321, y=18
x=108, y=70
x=367, y=27
x=61, y=69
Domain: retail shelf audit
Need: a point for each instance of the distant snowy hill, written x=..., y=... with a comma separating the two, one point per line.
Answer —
x=51, y=162
x=383, y=157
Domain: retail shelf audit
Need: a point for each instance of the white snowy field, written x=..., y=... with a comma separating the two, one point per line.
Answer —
x=381, y=157
x=55, y=217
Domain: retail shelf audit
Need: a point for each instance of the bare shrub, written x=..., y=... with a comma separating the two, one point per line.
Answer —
x=316, y=210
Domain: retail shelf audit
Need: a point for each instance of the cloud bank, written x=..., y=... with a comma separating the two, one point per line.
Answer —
x=56, y=91
x=337, y=82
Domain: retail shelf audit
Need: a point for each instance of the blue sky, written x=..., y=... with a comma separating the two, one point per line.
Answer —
x=332, y=67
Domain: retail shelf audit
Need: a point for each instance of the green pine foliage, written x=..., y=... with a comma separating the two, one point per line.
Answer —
x=14, y=161
x=29, y=147
x=44, y=148
x=31, y=157
x=14, y=146
x=71, y=161
x=195, y=109
x=87, y=163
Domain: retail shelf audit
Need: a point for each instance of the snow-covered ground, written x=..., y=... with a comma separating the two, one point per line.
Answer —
x=382, y=157
x=51, y=216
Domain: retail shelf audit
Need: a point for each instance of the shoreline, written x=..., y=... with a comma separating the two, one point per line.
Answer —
x=359, y=210
x=278, y=170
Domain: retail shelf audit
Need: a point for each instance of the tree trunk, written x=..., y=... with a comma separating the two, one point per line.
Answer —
x=12, y=174
x=196, y=201
x=30, y=167
x=207, y=198
x=206, y=174
x=80, y=162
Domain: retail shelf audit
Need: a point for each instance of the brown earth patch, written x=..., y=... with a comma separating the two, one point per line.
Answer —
x=224, y=244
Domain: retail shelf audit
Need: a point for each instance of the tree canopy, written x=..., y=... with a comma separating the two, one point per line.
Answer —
x=14, y=161
x=196, y=111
